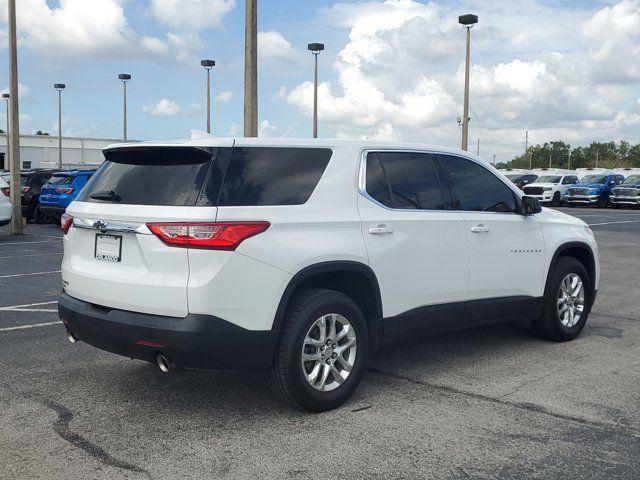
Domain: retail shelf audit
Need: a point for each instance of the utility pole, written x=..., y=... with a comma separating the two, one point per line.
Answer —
x=124, y=77
x=59, y=87
x=315, y=48
x=597, y=158
x=208, y=65
x=569, y=160
x=478, y=148
x=14, y=127
x=251, y=69
x=549, y=156
x=494, y=158
x=526, y=148
x=7, y=157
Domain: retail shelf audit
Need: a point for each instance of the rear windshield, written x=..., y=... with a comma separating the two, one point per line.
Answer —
x=60, y=180
x=180, y=176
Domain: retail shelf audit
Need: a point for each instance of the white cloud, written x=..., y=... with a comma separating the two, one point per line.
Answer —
x=191, y=14
x=272, y=44
x=78, y=28
x=23, y=91
x=225, y=96
x=155, y=45
x=266, y=129
x=401, y=73
x=163, y=108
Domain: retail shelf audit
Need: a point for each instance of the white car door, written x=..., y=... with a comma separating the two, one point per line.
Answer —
x=506, y=248
x=416, y=246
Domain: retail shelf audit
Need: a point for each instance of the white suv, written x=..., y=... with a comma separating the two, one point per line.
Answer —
x=5, y=204
x=301, y=257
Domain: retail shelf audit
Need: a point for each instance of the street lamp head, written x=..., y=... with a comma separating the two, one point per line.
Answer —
x=315, y=48
x=5, y=95
x=59, y=86
x=124, y=77
x=468, y=20
x=208, y=64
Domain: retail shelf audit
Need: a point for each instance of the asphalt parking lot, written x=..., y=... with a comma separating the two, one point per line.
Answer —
x=493, y=402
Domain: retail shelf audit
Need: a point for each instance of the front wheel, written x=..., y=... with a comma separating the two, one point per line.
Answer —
x=603, y=201
x=567, y=301
x=557, y=200
x=322, y=351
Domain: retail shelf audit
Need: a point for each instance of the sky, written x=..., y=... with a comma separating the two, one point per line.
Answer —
x=392, y=69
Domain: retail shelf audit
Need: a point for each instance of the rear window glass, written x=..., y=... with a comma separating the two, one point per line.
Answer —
x=170, y=176
x=60, y=180
x=272, y=176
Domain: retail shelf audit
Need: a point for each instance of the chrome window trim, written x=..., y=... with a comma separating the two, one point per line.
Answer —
x=111, y=226
x=362, y=180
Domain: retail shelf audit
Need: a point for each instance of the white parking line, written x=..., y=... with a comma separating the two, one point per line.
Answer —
x=34, y=255
x=27, y=307
x=25, y=243
x=613, y=223
x=33, y=325
x=27, y=274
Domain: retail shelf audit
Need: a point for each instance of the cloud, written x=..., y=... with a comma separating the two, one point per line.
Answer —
x=266, y=129
x=23, y=91
x=400, y=74
x=225, y=96
x=272, y=44
x=191, y=15
x=163, y=108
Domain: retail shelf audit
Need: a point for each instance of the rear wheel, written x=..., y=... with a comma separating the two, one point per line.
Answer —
x=567, y=301
x=322, y=352
x=38, y=216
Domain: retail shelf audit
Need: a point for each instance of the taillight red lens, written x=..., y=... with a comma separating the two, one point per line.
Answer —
x=66, y=190
x=6, y=191
x=25, y=189
x=65, y=222
x=213, y=236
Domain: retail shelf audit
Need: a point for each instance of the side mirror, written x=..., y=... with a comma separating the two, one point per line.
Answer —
x=530, y=206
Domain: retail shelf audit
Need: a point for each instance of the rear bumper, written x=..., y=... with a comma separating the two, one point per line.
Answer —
x=195, y=341
x=51, y=210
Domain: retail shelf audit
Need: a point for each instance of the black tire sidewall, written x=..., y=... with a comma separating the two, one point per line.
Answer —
x=305, y=394
x=553, y=326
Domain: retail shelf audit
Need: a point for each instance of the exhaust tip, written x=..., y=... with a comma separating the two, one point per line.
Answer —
x=71, y=337
x=163, y=363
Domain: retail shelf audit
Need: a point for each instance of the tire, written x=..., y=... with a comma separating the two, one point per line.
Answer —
x=550, y=326
x=38, y=216
x=571, y=205
x=288, y=375
x=556, y=201
x=603, y=201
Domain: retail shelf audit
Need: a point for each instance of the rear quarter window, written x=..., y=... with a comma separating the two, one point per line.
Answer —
x=260, y=176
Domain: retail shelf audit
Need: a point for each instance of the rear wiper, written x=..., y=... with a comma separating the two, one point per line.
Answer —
x=107, y=195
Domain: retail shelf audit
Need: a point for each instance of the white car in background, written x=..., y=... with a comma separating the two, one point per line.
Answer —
x=551, y=186
x=5, y=204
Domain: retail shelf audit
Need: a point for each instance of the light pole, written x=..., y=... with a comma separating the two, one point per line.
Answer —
x=125, y=77
x=6, y=96
x=59, y=87
x=208, y=65
x=315, y=48
x=251, y=69
x=467, y=21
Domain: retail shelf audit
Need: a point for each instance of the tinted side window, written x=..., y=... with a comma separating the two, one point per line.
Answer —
x=377, y=185
x=272, y=176
x=478, y=189
x=413, y=180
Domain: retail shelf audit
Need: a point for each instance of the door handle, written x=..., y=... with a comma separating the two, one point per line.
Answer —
x=380, y=230
x=479, y=229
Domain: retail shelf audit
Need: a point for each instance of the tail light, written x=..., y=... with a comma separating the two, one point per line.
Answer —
x=6, y=191
x=66, y=190
x=212, y=236
x=65, y=223
x=26, y=189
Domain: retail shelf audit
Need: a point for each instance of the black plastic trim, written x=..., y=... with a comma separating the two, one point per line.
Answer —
x=195, y=341
x=591, y=269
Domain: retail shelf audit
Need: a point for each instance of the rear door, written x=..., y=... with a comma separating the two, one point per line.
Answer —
x=417, y=246
x=111, y=257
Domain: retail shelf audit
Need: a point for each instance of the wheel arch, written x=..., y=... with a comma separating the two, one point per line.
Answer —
x=354, y=279
x=581, y=252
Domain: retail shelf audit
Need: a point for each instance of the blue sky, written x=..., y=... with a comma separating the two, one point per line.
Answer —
x=392, y=69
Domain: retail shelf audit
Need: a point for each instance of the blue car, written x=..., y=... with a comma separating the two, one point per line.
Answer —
x=60, y=190
x=593, y=189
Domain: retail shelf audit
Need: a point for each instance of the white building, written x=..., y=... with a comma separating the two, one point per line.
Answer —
x=41, y=151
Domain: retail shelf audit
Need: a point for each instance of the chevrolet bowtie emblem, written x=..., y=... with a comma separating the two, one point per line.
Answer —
x=100, y=225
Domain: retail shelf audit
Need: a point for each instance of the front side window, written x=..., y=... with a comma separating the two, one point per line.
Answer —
x=478, y=190
x=404, y=180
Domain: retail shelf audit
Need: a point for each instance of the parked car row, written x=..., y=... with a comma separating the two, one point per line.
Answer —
x=584, y=186
x=46, y=193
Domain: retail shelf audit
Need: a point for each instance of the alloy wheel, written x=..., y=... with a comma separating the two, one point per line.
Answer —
x=570, y=302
